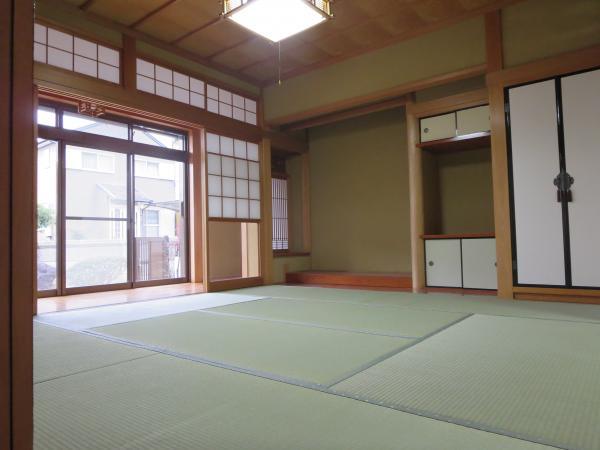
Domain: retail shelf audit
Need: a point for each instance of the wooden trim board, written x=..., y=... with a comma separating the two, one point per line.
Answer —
x=365, y=280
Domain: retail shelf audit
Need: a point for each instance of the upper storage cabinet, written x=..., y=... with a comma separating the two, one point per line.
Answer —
x=454, y=124
x=438, y=127
x=473, y=120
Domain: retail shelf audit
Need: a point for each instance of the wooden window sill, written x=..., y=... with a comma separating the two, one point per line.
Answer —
x=280, y=254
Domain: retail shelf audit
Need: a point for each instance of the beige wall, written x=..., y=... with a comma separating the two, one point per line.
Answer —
x=224, y=250
x=359, y=195
x=284, y=264
x=536, y=29
x=465, y=192
x=447, y=50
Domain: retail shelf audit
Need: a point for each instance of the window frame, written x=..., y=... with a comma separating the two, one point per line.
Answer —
x=131, y=149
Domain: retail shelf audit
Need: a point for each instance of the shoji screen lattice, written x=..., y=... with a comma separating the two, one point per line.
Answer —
x=233, y=178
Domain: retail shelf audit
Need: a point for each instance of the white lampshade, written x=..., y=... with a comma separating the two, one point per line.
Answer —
x=277, y=19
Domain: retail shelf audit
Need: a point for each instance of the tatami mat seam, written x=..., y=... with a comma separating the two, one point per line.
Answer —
x=95, y=368
x=208, y=361
x=304, y=324
x=394, y=353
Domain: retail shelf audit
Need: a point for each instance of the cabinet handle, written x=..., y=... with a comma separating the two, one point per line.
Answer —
x=426, y=130
x=430, y=263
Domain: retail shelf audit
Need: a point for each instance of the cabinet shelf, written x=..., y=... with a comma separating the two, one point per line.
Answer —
x=459, y=236
x=472, y=141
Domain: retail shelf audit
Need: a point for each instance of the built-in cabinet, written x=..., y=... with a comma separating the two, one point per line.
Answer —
x=468, y=263
x=456, y=124
x=554, y=153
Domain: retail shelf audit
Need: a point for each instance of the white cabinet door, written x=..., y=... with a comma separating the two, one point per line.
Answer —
x=535, y=164
x=581, y=118
x=438, y=127
x=479, y=264
x=473, y=120
x=443, y=264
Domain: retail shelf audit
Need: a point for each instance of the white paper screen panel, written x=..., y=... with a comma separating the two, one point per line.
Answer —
x=233, y=178
x=228, y=104
x=61, y=49
x=581, y=113
x=164, y=82
x=535, y=164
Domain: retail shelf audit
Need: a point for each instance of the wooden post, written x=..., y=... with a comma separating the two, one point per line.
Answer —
x=198, y=213
x=493, y=41
x=266, y=228
x=306, y=224
x=129, y=63
x=415, y=180
x=17, y=224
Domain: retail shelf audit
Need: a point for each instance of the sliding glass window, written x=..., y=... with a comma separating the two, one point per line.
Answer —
x=112, y=203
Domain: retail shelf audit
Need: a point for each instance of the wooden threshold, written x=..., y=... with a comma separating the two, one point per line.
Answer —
x=462, y=291
x=354, y=279
x=473, y=141
x=70, y=302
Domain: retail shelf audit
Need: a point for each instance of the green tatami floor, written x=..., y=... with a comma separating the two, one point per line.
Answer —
x=316, y=368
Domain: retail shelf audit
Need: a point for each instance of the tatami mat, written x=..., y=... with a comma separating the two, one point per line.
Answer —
x=302, y=353
x=533, y=379
x=59, y=353
x=473, y=304
x=83, y=319
x=349, y=316
x=160, y=403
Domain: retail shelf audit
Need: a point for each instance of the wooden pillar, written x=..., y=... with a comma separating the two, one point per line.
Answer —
x=129, y=63
x=493, y=41
x=198, y=211
x=415, y=180
x=501, y=193
x=266, y=228
x=17, y=224
x=495, y=63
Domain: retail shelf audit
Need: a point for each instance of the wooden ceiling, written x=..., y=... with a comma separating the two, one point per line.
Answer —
x=359, y=26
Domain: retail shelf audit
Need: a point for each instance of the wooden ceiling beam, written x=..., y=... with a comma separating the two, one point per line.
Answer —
x=86, y=5
x=348, y=114
x=195, y=30
x=150, y=14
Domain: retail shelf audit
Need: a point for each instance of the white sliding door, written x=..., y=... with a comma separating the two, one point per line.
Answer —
x=535, y=164
x=581, y=118
x=479, y=264
x=444, y=267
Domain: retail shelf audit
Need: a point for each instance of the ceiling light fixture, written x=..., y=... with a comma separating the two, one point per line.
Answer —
x=277, y=19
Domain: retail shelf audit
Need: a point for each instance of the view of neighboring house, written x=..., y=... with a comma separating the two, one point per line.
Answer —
x=98, y=203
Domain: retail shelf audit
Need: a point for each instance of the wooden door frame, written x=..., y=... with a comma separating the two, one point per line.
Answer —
x=17, y=225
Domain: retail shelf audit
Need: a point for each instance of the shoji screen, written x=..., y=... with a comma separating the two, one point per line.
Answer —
x=581, y=116
x=535, y=164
